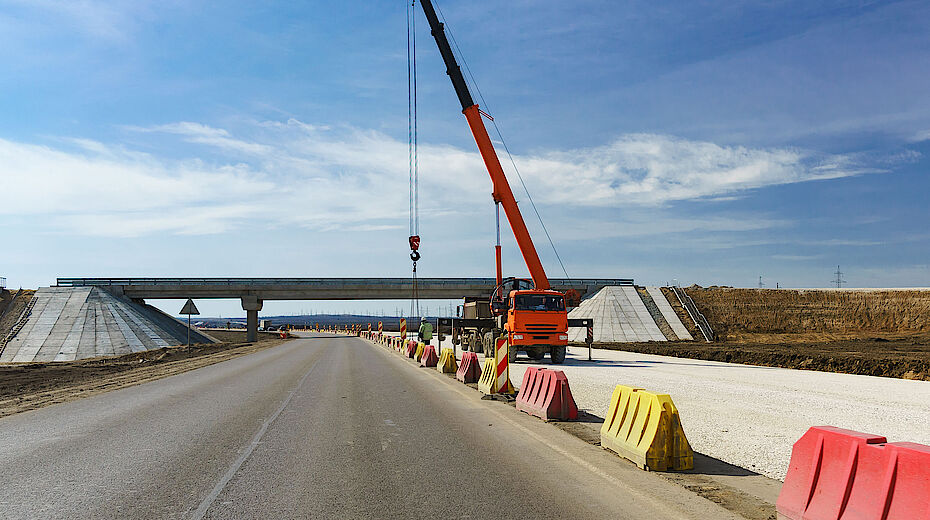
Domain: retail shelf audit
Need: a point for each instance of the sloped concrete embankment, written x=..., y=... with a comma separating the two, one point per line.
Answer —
x=67, y=323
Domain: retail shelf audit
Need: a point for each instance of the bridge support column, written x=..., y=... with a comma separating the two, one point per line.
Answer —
x=251, y=305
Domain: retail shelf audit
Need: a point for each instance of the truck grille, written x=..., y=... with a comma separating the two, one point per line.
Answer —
x=541, y=327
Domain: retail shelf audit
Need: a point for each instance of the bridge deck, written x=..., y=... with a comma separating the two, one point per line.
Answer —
x=318, y=288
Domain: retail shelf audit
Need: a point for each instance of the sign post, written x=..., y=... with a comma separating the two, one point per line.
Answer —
x=189, y=309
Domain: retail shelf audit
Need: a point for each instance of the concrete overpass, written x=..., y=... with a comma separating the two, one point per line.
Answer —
x=253, y=291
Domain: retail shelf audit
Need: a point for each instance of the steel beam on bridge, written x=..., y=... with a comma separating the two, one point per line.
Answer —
x=318, y=288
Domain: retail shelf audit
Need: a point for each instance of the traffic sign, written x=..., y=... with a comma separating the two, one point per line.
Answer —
x=189, y=308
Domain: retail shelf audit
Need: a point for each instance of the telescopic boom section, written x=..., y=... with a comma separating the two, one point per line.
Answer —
x=502, y=192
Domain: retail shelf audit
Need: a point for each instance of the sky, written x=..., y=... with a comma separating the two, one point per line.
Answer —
x=704, y=142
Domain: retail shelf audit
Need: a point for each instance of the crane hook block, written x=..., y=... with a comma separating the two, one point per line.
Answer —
x=414, y=242
x=415, y=256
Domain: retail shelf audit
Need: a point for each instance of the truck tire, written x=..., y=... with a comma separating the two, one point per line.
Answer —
x=557, y=354
x=511, y=354
x=489, y=345
x=536, y=354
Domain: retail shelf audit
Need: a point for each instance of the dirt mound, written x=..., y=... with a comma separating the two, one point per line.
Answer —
x=738, y=314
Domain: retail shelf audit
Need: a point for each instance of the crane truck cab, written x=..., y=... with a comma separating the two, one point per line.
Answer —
x=537, y=323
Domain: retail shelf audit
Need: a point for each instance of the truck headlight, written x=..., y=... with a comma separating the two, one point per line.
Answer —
x=518, y=336
x=563, y=337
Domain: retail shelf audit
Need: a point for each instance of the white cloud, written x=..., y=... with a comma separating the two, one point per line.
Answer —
x=654, y=169
x=920, y=137
x=293, y=173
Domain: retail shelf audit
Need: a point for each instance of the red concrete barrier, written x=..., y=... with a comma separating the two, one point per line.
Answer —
x=843, y=474
x=469, y=371
x=429, y=357
x=411, y=349
x=545, y=394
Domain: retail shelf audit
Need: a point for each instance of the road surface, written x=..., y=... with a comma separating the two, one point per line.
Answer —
x=322, y=427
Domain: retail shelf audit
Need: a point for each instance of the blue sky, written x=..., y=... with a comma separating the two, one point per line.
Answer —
x=706, y=142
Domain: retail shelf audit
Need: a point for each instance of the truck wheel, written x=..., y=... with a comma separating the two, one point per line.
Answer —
x=536, y=354
x=511, y=354
x=489, y=345
x=557, y=354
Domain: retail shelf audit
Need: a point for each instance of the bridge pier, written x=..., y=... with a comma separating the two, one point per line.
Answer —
x=251, y=305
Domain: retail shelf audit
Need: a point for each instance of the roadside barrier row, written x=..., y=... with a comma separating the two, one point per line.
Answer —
x=641, y=426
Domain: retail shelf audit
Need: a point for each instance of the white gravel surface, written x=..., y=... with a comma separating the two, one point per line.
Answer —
x=750, y=415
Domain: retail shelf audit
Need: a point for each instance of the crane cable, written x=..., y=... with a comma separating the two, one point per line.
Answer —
x=413, y=159
x=501, y=137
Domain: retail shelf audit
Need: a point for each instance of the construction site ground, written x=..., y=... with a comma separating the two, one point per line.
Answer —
x=888, y=355
x=749, y=415
x=26, y=386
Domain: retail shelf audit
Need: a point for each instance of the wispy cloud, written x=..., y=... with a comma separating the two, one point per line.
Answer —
x=203, y=134
x=654, y=169
x=293, y=173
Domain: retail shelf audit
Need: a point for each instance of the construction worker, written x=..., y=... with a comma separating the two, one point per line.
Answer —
x=426, y=331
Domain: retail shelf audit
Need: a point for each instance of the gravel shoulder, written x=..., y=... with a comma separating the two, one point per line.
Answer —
x=747, y=415
x=27, y=386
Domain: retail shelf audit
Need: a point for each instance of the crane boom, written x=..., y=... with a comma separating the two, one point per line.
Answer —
x=502, y=193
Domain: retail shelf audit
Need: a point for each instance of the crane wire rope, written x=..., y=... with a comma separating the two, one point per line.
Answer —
x=501, y=137
x=413, y=159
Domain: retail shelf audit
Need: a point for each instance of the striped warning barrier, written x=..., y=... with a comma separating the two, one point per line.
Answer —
x=468, y=371
x=644, y=427
x=545, y=394
x=836, y=473
x=411, y=349
x=447, y=364
x=495, y=375
x=429, y=357
x=419, y=352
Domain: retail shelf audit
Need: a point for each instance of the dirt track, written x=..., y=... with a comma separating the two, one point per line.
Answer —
x=26, y=386
x=905, y=357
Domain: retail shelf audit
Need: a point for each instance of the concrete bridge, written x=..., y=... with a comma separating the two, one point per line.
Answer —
x=253, y=291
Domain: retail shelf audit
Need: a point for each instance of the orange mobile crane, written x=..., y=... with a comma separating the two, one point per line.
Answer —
x=530, y=314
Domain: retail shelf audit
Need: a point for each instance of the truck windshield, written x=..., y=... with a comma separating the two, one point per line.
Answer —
x=538, y=302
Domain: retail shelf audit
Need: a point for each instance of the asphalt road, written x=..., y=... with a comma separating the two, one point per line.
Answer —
x=323, y=427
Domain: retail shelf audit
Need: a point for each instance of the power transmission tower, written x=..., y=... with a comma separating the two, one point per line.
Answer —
x=838, y=281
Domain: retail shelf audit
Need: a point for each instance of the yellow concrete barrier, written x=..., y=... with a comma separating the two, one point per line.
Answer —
x=419, y=352
x=447, y=364
x=644, y=427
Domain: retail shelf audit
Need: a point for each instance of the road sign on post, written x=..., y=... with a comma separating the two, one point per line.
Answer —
x=189, y=309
